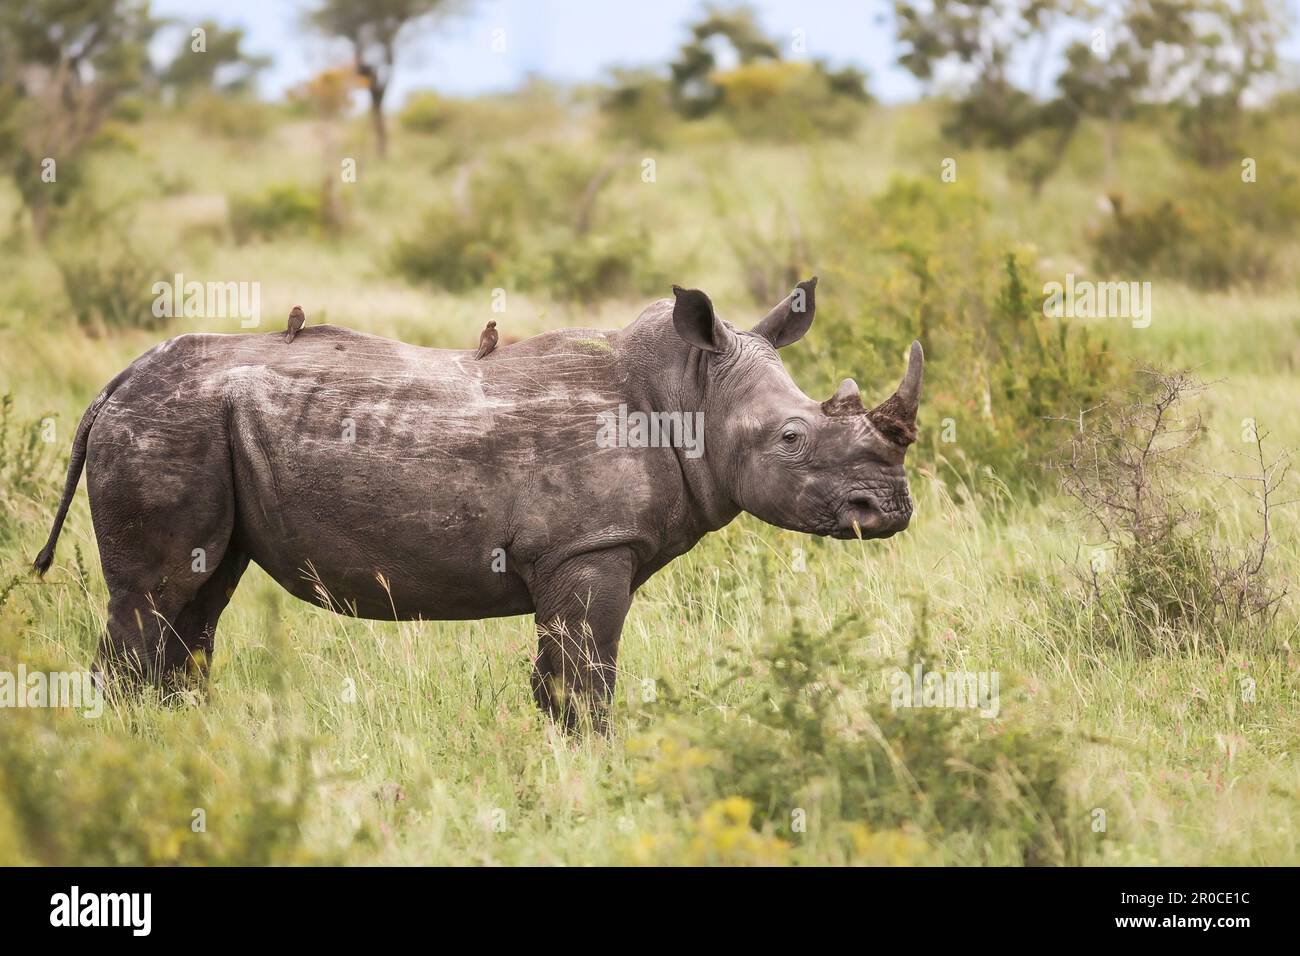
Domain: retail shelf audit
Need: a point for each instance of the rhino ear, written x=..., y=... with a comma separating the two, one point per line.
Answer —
x=696, y=322
x=792, y=317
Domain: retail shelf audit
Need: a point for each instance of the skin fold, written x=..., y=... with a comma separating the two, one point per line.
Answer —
x=389, y=481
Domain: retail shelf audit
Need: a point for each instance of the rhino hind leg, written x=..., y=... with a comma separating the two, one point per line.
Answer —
x=580, y=610
x=126, y=655
x=165, y=563
x=188, y=648
x=141, y=627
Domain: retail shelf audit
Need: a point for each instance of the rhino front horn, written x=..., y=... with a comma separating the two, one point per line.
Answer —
x=895, y=417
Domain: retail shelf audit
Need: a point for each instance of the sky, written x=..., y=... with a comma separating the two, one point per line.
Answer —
x=567, y=40
x=564, y=40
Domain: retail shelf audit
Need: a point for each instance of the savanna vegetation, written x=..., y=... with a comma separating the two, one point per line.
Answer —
x=1105, y=530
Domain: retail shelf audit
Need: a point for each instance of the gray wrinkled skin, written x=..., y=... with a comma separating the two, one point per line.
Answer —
x=345, y=458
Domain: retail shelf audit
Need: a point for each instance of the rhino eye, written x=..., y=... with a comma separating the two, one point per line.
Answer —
x=790, y=437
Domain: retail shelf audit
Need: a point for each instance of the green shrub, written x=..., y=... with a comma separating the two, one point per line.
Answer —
x=773, y=99
x=530, y=219
x=921, y=261
x=149, y=782
x=591, y=267
x=107, y=280
x=279, y=209
x=26, y=464
x=535, y=110
x=424, y=112
x=237, y=118
x=637, y=107
x=72, y=797
x=454, y=252
x=1191, y=240
x=814, y=730
x=1160, y=579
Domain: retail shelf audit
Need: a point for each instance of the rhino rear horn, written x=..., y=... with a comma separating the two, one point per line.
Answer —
x=846, y=400
x=792, y=316
x=895, y=417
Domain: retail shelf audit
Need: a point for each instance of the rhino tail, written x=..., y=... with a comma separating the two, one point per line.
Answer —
x=75, y=464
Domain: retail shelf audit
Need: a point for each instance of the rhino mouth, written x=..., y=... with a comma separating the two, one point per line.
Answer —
x=866, y=516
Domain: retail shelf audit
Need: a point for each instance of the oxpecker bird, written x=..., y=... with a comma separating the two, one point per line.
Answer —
x=488, y=340
x=297, y=319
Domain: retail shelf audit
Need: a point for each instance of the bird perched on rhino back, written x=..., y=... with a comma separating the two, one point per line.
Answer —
x=488, y=340
x=297, y=319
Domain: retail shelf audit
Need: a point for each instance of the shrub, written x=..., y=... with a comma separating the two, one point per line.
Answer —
x=534, y=110
x=530, y=220
x=773, y=99
x=1128, y=469
x=424, y=112
x=239, y=119
x=591, y=267
x=108, y=280
x=71, y=797
x=815, y=730
x=1205, y=246
x=454, y=251
x=637, y=107
x=920, y=261
x=25, y=467
x=279, y=209
x=149, y=782
x=774, y=255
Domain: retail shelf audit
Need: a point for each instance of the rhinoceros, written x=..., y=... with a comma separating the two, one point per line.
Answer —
x=396, y=482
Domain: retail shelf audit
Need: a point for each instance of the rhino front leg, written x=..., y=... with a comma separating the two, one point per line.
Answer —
x=580, y=609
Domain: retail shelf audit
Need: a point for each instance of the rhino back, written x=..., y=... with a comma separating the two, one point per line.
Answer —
x=351, y=455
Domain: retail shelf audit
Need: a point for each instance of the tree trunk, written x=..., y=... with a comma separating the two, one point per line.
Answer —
x=1111, y=142
x=377, y=118
x=42, y=219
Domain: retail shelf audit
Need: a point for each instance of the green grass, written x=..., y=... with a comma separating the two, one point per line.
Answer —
x=329, y=739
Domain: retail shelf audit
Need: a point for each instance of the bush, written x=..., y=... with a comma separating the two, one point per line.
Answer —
x=279, y=209
x=146, y=781
x=815, y=731
x=637, y=107
x=773, y=99
x=1193, y=241
x=25, y=468
x=71, y=797
x=424, y=112
x=530, y=220
x=107, y=279
x=1129, y=468
x=534, y=110
x=918, y=261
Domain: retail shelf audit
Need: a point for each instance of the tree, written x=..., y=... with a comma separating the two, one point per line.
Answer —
x=762, y=94
x=213, y=61
x=1227, y=47
x=1199, y=57
x=695, y=92
x=327, y=95
x=982, y=37
x=64, y=64
x=375, y=29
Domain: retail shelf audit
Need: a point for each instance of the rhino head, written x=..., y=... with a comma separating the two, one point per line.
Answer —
x=829, y=468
